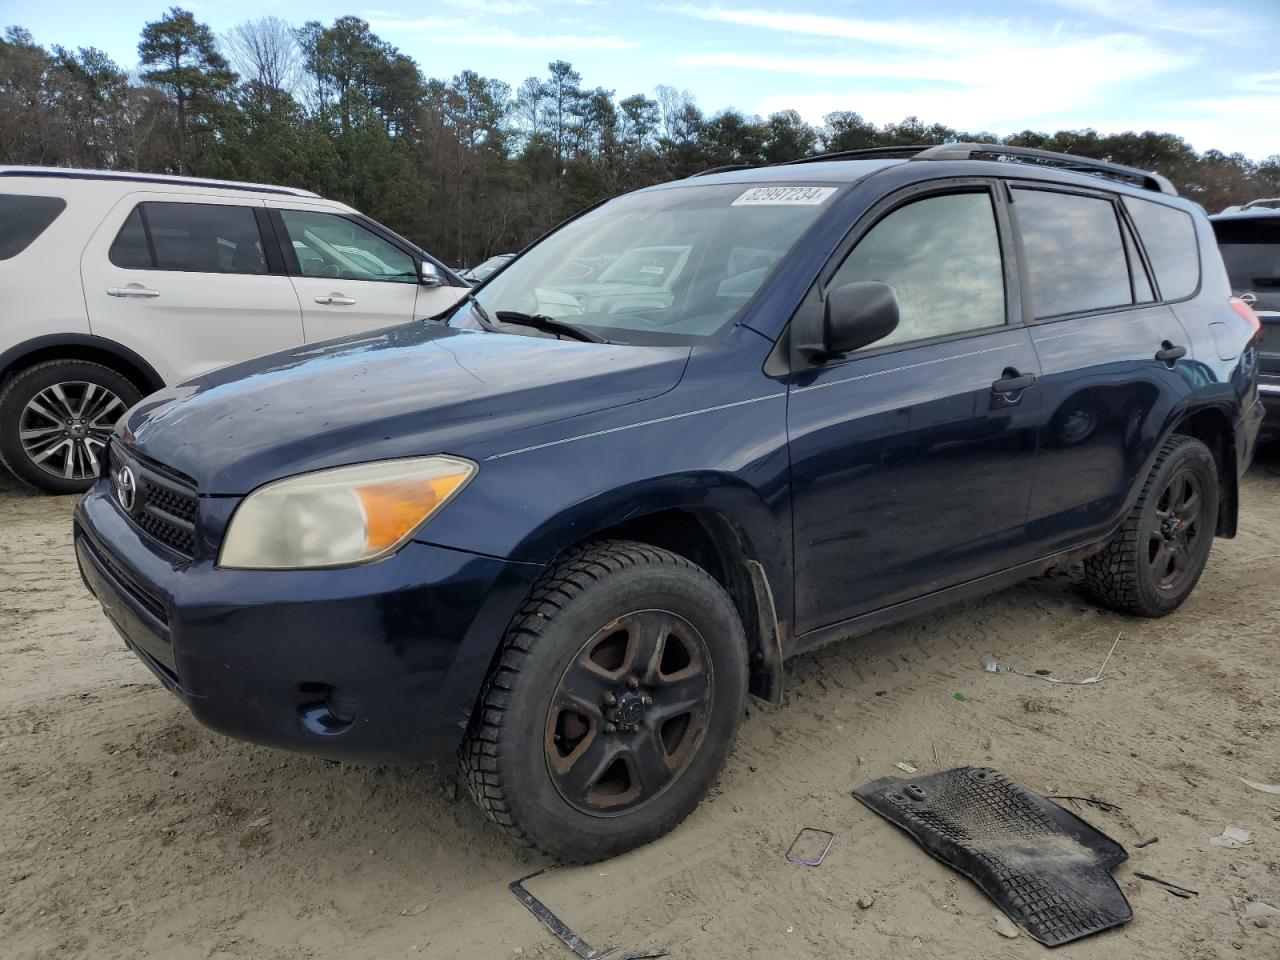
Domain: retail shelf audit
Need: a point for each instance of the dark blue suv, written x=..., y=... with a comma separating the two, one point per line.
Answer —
x=564, y=530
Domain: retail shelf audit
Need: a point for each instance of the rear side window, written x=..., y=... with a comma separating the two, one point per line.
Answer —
x=23, y=218
x=941, y=255
x=1074, y=252
x=1169, y=237
x=190, y=237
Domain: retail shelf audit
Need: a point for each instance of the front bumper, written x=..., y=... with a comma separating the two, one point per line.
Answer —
x=376, y=662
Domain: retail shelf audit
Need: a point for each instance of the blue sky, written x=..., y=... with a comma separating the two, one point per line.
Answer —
x=1208, y=71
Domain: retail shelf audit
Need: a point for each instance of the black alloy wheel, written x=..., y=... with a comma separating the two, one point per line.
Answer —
x=1173, y=541
x=613, y=704
x=629, y=712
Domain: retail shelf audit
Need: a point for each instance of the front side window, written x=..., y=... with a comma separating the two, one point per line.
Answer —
x=23, y=218
x=1074, y=252
x=1169, y=237
x=942, y=257
x=190, y=238
x=668, y=266
x=328, y=245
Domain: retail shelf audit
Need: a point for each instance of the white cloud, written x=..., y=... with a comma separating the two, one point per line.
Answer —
x=492, y=8
x=978, y=75
x=1195, y=20
x=461, y=33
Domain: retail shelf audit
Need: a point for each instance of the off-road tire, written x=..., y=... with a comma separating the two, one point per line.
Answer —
x=1119, y=576
x=26, y=385
x=503, y=756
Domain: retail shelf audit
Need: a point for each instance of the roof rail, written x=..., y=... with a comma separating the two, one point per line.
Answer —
x=863, y=153
x=1266, y=203
x=997, y=151
x=724, y=169
x=73, y=174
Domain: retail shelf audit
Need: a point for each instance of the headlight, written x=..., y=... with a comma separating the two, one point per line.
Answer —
x=340, y=517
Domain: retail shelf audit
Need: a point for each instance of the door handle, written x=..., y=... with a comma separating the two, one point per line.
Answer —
x=1168, y=353
x=1013, y=381
x=132, y=290
x=335, y=300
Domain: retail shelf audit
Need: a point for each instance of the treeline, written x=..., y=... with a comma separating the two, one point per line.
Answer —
x=467, y=167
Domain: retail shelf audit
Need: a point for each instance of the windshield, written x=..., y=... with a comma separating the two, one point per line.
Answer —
x=662, y=267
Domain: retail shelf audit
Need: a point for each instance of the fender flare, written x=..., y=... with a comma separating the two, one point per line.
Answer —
x=1228, y=503
x=47, y=343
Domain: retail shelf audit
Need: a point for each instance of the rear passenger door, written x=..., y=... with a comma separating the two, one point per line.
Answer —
x=1113, y=358
x=189, y=282
x=911, y=459
x=349, y=279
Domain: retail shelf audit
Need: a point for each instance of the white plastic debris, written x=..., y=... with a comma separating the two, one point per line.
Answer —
x=1232, y=837
x=905, y=767
x=1006, y=927
x=1256, y=908
x=991, y=665
x=1264, y=787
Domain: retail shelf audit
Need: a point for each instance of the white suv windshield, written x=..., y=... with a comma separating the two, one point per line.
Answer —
x=667, y=266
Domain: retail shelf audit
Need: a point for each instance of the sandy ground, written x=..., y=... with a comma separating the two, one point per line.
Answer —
x=126, y=830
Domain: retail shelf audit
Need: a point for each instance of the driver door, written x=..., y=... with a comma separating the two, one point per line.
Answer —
x=912, y=458
x=349, y=279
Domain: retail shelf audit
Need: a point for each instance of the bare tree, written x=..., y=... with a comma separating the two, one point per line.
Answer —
x=267, y=54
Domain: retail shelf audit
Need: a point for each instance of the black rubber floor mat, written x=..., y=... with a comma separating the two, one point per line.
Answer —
x=1042, y=865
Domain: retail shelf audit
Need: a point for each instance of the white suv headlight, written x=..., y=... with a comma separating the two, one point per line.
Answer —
x=340, y=517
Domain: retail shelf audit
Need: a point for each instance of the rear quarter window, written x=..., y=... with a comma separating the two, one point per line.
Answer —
x=23, y=218
x=1169, y=237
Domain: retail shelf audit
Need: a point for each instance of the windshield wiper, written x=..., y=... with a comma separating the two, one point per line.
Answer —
x=549, y=324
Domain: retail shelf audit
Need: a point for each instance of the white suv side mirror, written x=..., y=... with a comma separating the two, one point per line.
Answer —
x=429, y=274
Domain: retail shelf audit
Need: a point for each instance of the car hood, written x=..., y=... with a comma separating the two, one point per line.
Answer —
x=412, y=390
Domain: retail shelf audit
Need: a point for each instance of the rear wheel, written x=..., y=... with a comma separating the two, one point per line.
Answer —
x=55, y=420
x=1154, y=562
x=614, y=705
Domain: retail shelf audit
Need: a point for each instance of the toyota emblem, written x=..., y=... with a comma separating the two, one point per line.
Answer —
x=126, y=488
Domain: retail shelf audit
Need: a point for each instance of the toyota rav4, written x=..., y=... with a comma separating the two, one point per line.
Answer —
x=565, y=530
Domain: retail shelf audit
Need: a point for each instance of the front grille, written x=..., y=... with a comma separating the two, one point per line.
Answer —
x=162, y=505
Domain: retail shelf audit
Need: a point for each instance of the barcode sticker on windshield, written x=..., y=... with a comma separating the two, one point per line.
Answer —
x=777, y=196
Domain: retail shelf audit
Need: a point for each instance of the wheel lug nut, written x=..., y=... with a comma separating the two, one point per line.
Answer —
x=633, y=682
x=647, y=701
x=610, y=699
x=610, y=728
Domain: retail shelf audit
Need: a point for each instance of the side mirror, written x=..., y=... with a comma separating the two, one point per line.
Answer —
x=858, y=314
x=429, y=274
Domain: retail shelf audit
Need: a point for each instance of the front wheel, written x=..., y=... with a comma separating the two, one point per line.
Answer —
x=614, y=704
x=55, y=420
x=1155, y=560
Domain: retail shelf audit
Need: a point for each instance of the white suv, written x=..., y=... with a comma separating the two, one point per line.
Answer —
x=116, y=284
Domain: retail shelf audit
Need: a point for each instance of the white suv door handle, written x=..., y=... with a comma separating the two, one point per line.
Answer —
x=132, y=290
x=337, y=300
